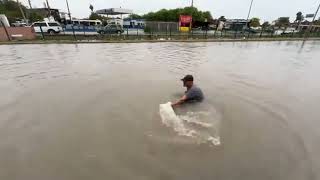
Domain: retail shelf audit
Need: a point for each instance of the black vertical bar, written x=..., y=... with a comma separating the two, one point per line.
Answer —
x=127, y=32
x=206, y=33
x=137, y=33
x=42, y=34
x=167, y=31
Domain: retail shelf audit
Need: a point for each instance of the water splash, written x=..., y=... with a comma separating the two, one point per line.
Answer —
x=191, y=124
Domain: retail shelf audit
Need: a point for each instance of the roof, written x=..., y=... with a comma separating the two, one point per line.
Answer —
x=114, y=11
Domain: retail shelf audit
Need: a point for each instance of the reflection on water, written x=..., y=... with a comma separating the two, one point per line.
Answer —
x=91, y=111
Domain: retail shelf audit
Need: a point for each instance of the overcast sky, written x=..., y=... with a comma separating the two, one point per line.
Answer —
x=264, y=9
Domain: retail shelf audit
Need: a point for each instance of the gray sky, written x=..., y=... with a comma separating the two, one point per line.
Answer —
x=265, y=10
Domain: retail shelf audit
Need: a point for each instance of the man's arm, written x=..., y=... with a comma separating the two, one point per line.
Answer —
x=180, y=101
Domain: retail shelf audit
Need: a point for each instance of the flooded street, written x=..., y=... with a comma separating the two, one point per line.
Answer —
x=91, y=111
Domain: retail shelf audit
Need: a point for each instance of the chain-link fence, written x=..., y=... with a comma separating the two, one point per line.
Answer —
x=170, y=31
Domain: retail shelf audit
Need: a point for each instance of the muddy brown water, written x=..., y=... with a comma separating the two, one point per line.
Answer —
x=91, y=111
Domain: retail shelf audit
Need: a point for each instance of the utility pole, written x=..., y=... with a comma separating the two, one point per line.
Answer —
x=24, y=17
x=249, y=13
x=74, y=35
x=311, y=24
x=191, y=3
x=247, y=18
x=49, y=10
x=29, y=1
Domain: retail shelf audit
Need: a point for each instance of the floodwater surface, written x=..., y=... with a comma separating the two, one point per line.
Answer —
x=91, y=111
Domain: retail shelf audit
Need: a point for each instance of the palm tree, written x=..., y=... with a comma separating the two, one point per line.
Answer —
x=299, y=18
x=91, y=7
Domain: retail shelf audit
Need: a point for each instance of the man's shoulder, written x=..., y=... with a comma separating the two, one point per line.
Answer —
x=195, y=88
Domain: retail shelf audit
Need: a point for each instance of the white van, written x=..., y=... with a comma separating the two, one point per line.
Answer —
x=47, y=27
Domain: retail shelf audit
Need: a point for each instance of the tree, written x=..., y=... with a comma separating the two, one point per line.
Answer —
x=265, y=24
x=91, y=8
x=299, y=17
x=222, y=18
x=135, y=16
x=33, y=17
x=255, y=22
x=174, y=14
x=95, y=16
x=283, y=22
x=11, y=10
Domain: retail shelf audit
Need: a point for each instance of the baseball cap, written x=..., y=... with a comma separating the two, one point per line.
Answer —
x=187, y=78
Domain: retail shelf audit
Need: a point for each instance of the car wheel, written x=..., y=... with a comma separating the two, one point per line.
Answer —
x=118, y=32
x=101, y=32
x=52, y=32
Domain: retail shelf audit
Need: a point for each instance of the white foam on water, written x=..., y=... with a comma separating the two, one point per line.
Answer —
x=170, y=119
x=180, y=124
x=192, y=117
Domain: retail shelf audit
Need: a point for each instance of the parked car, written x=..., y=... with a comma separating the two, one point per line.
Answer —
x=19, y=24
x=290, y=31
x=286, y=31
x=111, y=29
x=47, y=27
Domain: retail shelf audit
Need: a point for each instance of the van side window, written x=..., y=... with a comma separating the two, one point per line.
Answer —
x=53, y=24
x=43, y=24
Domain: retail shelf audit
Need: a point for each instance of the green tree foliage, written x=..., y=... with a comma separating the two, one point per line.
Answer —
x=95, y=16
x=266, y=24
x=174, y=14
x=11, y=9
x=135, y=16
x=91, y=7
x=283, y=22
x=222, y=18
x=33, y=17
x=255, y=22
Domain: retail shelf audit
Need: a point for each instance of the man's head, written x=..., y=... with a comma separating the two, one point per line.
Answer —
x=187, y=81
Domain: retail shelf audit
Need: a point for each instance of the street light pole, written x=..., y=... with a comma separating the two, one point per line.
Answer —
x=74, y=35
x=311, y=24
x=249, y=12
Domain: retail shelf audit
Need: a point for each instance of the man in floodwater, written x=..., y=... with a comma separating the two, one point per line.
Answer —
x=193, y=93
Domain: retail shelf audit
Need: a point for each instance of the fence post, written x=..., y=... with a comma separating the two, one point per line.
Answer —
x=170, y=32
x=137, y=33
x=261, y=33
x=206, y=33
x=127, y=32
x=167, y=31
x=5, y=29
x=42, y=34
